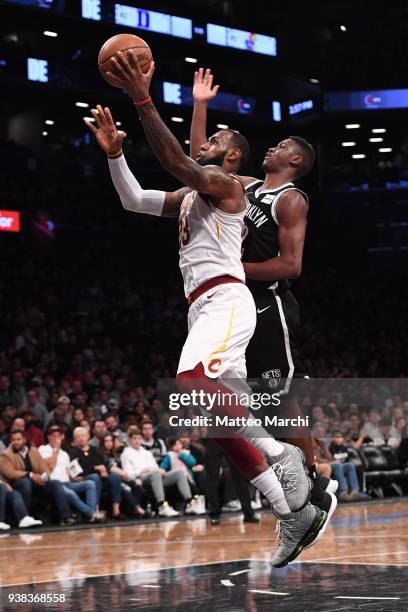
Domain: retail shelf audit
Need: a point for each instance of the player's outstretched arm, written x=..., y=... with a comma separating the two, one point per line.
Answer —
x=203, y=93
x=132, y=196
x=210, y=180
x=292, y=216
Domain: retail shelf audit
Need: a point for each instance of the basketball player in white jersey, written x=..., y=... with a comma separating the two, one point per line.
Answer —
x=222, y=314
x=272, y=254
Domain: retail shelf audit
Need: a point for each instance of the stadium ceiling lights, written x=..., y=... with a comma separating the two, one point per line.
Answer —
x=222, y=126
x=385, y=150
x=49, y=122
x=82, y=104
x=50, y=34
x=177, y=119
x=187, y=141
x=191, y=60
x=358, y=156
x=352, y=126
x=315, y=81
x=45, y=133
x=378, y=130
x=118, y=123
x=343, y=28
x=348, y=144
x=376, y=139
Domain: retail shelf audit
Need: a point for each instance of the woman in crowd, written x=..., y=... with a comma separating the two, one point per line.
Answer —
x=132, y=492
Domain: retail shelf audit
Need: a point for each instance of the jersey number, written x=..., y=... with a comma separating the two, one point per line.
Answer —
x=184, y=231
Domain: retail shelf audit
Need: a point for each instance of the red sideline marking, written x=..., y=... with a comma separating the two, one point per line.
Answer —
x=9, y=221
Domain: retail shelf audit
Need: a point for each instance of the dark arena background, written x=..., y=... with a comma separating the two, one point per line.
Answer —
x=93, y=313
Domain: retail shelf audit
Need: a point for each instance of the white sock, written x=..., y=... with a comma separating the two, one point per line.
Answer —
x=269, y=485
x=259, y=437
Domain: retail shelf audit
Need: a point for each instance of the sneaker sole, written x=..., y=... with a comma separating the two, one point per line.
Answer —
x=329, y=515
x=308, y=537
x=332, y=486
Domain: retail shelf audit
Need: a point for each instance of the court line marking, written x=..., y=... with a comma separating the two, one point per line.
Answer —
x=266, y=592
x=245, y=571
x=358, y=597
x=140, y=571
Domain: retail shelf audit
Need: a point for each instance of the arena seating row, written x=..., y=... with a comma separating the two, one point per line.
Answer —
x=379, y=468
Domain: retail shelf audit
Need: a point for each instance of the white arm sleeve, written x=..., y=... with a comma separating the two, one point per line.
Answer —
x=131, y=194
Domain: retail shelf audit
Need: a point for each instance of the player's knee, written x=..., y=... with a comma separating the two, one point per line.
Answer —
x=189, y=380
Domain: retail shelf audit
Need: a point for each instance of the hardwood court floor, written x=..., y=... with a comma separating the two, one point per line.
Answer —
x=366, y=537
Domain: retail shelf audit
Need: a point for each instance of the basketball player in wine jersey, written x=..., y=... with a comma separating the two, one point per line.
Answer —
x=222, y=316
x=272, y=254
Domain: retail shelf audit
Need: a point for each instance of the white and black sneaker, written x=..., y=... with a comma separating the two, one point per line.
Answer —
x=291, y=471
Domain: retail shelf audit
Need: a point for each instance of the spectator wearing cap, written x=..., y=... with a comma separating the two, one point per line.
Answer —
x=28, y=473
x=61, y=411
x=33, y=434
x=58, y=462
x=59, y=419
x=112, y=425
x=99, y=430
x=38, y=409
x=94, y=467
x=155, y=445
x=13, y=499
x=113, y=405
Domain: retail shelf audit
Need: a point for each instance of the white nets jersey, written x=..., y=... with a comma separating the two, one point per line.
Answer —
x=210, y=242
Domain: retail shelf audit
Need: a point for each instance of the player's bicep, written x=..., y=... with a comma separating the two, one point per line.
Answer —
x=292, y=216
x=172, y=202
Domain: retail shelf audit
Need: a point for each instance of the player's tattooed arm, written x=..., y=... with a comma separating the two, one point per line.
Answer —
x=203, y=93
x=225, y=191
x=291, y=213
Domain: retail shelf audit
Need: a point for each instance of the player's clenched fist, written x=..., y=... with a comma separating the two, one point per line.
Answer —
x=107, y=136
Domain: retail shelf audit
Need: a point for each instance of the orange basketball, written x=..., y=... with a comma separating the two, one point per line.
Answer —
x=123, y=42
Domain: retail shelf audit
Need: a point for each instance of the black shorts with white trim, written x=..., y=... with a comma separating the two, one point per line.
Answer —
x=273, y=356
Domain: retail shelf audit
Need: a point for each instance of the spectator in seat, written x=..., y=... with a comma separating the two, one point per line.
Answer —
x=131, y=489
x=396, y=432
x=27, y=472
x=8, y=415
x=99, y=430
x=33, y=434
x=112, y=425
x=63, y=407
x=344, y=471
x=36, y=407
x=77, y=417
x=59, y=419
x=322, y=457
x=140, y=463
x=94, y=467
x=155, y=445
x=197, y=450
x=178, y=458
x=372, y=428
x=58, y=462
x=403, y=449
x=7, y=394
x=9, y=496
